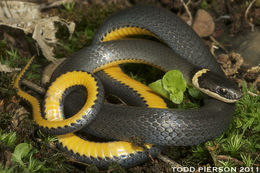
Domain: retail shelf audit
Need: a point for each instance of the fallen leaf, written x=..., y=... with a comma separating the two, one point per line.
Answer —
x=230, y=62
x=6, y=69
x=27, y=16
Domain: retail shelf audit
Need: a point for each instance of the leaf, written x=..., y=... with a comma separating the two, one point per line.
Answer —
x=20, y=151
x=158, y=88
x=11, y=139
x=176, y=97
x=174, y=79
x=194, y=92
x=5, y=68
x=8, y=138
x=172, y=86
x=174, y=83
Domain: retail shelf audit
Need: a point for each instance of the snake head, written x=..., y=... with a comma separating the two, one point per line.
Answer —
x=216, y=86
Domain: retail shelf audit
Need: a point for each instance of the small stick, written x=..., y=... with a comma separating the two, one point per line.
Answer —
x=228, y=158
x=223, y=17
x=218, y=44
x=246, y=13
x=33, y=86
x=170, y=162
x=54, y=4
x=252, y=94
x=188, y=11
x=151, y=157
x=212, y=49
x=75, y=161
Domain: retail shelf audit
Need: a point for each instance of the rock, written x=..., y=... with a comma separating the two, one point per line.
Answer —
x=203, y=23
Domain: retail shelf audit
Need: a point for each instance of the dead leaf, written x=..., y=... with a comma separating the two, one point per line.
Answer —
x=6, y=69
x=19, y=14
x=27, y=16
x=230, y=62
x=19, y=115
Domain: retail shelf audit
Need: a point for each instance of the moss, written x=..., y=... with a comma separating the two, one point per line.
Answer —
x=87, y=20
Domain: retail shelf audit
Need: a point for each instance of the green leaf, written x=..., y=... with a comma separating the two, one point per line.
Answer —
x=172, y=86
x=11, y=139
x=20, y=151
x=174, y=79
x=176, y=96
x=158, y=88
x=8, y=138
x=194, y=92
x=174, y=82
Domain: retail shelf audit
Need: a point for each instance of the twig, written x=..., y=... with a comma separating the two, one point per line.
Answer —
x=212, y=49
x=54, y=4
x=75, y=161
x=33, y=87
x=188, y=2
x=170, y=162
x=218, y=44
x=246, y=13
x=188, y=11
x=228, y=158
x=223, y=17
x=151, y=157
x=252, y=94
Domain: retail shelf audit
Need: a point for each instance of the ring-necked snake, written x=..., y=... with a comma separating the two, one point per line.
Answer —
x=77, y=91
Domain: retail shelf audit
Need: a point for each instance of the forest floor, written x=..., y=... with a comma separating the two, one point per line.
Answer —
x=232, y=34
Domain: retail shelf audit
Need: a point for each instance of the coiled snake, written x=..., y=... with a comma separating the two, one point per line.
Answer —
x=82, y=79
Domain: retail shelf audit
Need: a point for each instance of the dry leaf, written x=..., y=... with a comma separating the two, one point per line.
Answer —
x=7, y=69
x=27, y=17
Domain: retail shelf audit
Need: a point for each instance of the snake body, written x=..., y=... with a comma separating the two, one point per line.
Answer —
x=151, y=122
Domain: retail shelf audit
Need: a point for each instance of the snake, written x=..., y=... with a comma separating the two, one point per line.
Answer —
x=75, y=100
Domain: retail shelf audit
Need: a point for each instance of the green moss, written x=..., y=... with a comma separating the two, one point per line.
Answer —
x=204, y=4
x=87, y=20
